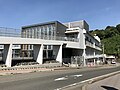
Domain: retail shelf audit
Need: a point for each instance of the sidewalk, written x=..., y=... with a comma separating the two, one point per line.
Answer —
x=44, y=67
x=110, y=83
x=9, y=72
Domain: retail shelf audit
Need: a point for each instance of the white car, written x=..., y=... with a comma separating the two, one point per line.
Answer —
x=113, y=62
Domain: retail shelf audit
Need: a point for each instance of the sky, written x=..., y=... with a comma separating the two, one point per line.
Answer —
x=97, y=13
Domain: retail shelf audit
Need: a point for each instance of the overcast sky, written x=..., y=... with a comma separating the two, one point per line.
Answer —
x=98, y=13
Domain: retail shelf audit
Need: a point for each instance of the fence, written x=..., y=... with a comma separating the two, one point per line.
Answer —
x=77, y=60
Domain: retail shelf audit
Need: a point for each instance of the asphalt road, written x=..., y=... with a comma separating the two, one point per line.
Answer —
x=50, y=80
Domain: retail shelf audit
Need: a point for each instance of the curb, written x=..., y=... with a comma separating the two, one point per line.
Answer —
x=83, y=84
x=29, y=69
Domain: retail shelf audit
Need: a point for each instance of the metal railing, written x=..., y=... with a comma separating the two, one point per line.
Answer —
x=9, y=32
x=92, y=56
x=46, y=37
x=78, y=60
x=89, y=44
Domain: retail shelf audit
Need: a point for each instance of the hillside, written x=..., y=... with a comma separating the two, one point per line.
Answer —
x=110, y=37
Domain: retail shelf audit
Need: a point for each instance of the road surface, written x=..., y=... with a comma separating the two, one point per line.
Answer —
x=50, y=80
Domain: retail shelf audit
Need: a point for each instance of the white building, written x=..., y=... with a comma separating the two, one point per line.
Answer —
x=88, y=49
x=65, y=43
x=91, y=50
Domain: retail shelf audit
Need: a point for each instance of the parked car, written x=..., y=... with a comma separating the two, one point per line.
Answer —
x=113, y=62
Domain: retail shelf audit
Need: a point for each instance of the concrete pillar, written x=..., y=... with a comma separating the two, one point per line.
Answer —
x=7, y=55
x=94, y=62
x=38, y=53
x=82, y=40
x=57, y=52
x=84, y=57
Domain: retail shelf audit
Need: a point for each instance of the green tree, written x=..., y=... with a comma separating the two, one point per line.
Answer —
x=110, y=36
x=118, y=28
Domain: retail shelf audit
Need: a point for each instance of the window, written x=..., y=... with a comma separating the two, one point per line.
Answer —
x=45, y=46
x=42, y=33
x=49, y=46
x=87, y=38
x=45, y=30
x=32, y=32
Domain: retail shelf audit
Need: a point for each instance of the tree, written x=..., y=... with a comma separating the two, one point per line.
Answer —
x=110, y=36
x=118, y=28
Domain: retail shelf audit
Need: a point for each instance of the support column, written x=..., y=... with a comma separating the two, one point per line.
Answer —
x=57, y=51
x=82, y=40
x=94, y=62
x=38, y=53
x=7, y=55
x=84, y=58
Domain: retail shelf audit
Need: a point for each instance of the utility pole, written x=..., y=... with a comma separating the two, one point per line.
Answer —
x=118, y=50
x=103, y=53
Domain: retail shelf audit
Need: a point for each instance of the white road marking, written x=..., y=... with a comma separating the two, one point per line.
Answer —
x=66, y=86
x=66, y=77
x=62, y=78
x=79, y=75
x=57, y=89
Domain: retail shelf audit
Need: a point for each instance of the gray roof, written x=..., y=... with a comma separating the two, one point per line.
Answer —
x=41, y=24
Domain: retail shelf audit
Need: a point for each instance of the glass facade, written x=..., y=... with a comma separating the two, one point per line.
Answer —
x=41, y=32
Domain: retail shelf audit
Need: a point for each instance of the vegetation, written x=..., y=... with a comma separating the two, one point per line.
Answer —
x=110, y=37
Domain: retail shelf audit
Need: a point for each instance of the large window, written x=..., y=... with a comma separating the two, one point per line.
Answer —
x=42, y=32
x=45, y=30
x=32, y=32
